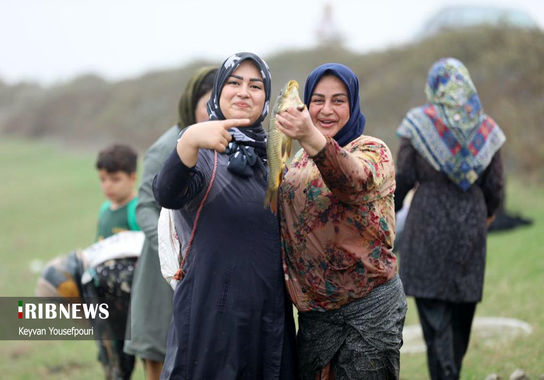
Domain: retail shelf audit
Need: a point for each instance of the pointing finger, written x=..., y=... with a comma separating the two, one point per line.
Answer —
x=231, y=123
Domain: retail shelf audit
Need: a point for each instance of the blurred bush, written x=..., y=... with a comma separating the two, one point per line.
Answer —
x=506, y=64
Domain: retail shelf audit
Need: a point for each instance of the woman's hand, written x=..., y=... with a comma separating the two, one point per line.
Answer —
x=206, y=135
x=298, y=125
x=490, y=220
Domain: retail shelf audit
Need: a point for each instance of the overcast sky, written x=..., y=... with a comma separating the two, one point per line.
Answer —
x=56, y=40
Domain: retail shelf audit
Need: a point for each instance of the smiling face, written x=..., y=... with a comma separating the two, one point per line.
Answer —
x=329, y=105
x=243, y=95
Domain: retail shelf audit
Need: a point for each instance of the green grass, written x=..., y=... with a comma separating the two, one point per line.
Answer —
x=49, y=205
x=513, y=288
x=49, y=201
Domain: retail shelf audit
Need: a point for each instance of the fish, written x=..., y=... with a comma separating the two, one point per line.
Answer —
x=278, y=145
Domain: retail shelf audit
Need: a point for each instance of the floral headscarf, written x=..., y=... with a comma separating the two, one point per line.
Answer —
x=451, y=131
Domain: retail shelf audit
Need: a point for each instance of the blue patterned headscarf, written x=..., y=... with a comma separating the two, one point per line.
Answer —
x=451, y=131
x=356, y=123
x=450, y=88
x=248, y=142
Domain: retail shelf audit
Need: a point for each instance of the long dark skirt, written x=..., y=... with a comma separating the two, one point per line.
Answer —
x=228, y=332
x=361, y=340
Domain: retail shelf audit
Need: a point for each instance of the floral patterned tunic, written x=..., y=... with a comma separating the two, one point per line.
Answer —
x=338, y=223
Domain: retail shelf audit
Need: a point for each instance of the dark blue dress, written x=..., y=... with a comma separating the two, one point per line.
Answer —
x=231, y=316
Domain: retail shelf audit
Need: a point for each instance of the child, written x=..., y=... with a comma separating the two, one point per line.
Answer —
x=116, y=167
x=111, y=280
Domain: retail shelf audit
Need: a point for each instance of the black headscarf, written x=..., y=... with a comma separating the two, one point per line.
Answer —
x=248, y=143
x=356, y=123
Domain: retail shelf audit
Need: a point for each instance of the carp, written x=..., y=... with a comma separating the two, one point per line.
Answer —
x=278, y=145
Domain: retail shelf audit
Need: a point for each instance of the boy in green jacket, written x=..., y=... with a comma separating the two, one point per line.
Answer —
x=112, y=280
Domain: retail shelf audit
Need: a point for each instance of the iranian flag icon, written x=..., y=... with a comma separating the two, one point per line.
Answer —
x=20, y=309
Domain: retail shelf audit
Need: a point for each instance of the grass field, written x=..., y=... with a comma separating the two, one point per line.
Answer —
x=49, y=199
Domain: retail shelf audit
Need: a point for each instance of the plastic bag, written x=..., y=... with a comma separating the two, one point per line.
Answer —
x=169, y=246
x=64, y=275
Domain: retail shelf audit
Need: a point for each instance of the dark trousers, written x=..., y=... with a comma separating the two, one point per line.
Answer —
x=446, y=329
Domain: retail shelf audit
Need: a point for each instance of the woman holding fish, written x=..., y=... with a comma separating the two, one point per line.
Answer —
x=338, y=226
x=231, y=314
